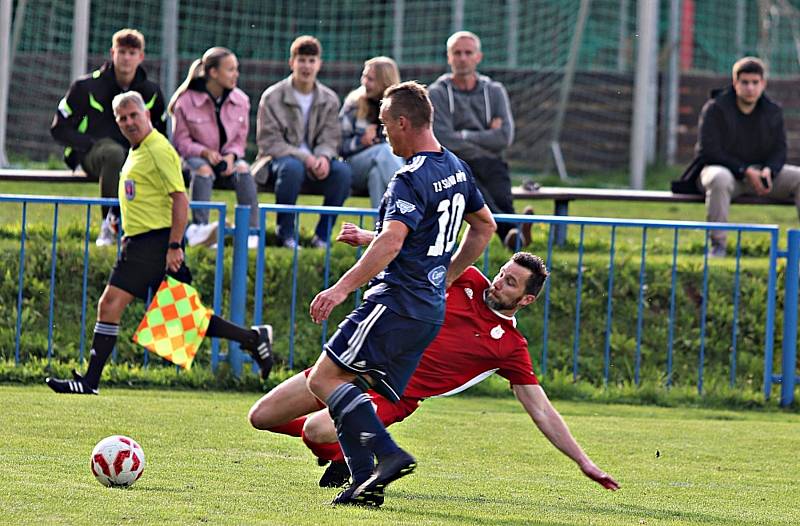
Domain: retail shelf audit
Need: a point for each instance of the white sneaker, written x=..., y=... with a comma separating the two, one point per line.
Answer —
x=201, y=234
x=107, y=235
x=318, y=243
x=252, y=242
x=291, y=243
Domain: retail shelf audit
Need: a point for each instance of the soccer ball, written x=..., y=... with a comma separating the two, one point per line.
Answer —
x=117, y=461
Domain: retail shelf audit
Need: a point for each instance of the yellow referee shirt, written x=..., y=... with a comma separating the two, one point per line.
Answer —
x=151, y=172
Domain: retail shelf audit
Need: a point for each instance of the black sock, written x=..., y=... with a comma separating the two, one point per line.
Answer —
x=105, y=336
x=222, y=328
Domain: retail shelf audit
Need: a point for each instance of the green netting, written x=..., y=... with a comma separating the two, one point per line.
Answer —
x=355, y=29
x=528, y=53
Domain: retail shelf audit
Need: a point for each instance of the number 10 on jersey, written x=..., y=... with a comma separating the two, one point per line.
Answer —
x=450, y=214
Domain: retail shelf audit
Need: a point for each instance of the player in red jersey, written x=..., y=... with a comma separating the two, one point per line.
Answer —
x=479, y=337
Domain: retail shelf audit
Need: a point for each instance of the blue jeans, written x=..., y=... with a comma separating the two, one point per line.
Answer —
x=372, y=169
x=290, y=174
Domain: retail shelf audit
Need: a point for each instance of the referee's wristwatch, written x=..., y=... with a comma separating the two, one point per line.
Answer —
x=174, y=245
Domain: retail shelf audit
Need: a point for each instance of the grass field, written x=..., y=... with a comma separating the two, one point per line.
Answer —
x=481, y=462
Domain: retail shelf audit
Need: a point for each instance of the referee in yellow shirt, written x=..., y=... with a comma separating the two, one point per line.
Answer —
x=155, y=209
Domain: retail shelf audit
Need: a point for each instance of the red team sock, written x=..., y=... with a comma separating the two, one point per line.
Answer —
x=330, y=451
x=293, y=428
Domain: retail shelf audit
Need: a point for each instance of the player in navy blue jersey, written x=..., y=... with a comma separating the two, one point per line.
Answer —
x=408, y=265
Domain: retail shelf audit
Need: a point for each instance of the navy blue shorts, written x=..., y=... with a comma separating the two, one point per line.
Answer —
x=374, y=340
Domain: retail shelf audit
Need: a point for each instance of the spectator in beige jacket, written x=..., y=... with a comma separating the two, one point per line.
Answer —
x=298, y=139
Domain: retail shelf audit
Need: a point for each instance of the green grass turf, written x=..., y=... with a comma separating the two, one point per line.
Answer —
x=481, y=461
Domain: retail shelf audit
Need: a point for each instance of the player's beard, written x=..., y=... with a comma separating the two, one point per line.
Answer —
x=499, y=305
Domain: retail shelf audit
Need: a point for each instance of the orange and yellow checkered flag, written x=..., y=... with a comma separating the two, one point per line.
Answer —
x=175, y=323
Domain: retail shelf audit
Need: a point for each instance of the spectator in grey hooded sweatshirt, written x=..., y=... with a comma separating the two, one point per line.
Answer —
x=472, y=118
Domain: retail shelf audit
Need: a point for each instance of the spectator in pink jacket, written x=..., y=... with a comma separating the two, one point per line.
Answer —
x=210, y=120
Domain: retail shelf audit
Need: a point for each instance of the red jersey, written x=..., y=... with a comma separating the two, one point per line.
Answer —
x=474, y=342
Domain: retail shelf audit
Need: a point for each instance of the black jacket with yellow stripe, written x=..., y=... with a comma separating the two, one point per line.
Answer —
x=84, y=115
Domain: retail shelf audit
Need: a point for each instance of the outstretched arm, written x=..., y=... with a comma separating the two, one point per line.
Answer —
x=552, y=426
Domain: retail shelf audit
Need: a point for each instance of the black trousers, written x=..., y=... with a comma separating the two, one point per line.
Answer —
x=494, y=182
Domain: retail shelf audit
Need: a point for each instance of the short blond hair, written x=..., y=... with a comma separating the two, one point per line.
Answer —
x=410, y=100
x=463, y=34
x=128, y=38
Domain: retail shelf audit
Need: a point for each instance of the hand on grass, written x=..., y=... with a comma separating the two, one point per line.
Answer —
x=600, y=476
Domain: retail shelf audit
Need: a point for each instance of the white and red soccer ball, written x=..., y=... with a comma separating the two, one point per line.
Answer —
x=117, y=461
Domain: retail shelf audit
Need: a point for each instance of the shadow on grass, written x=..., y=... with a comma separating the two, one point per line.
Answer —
x=636, y=512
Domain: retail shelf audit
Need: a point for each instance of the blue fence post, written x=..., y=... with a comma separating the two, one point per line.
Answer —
x=640, y=309
x=239, y=282
x=671, y=326
x=769, y=336
x=52, y=295
x=23, y=237
x=576, y=341
x=609, y=306
x=84, y=283
x=789, y=350
x=222, y=218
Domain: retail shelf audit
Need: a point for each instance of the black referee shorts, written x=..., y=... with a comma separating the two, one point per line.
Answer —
x=142, y=262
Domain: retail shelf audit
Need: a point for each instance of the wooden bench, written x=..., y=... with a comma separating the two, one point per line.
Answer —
x=68, y=176
x=47, y=176
x=562, y=196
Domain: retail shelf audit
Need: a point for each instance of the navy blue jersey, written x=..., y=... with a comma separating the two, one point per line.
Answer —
x=430, y=195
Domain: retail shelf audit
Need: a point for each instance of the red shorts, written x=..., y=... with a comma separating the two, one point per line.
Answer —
x=388, y=413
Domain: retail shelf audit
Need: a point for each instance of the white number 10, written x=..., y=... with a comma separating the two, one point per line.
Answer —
x=449, y=223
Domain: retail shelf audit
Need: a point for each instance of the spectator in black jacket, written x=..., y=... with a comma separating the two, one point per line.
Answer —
x=84, y=122
x=741, y=149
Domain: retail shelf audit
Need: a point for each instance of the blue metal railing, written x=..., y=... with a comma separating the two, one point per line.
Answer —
x=58, y=204
x=258, y=296
x=788, y=379
x=613, y=227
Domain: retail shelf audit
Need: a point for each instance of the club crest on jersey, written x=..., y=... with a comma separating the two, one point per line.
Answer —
x=436, y=275
x=130, y=189
x=497, y=332
x=405, y=207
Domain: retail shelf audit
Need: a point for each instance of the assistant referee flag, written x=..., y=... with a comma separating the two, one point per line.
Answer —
x=175, y=323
